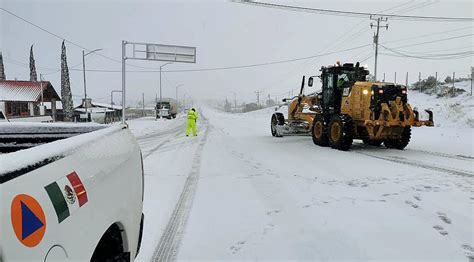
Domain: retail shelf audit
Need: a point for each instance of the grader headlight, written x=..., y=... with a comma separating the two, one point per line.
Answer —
x=365, y=91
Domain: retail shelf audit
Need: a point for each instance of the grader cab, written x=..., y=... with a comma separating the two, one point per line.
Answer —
x=349, y=107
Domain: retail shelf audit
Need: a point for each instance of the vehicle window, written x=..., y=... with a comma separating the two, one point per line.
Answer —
x=347, y=91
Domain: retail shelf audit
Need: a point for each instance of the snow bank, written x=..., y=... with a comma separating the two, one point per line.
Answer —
x=454, y=112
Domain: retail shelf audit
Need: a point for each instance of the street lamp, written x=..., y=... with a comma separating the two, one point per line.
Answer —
x=112, y=96
x=177, y=103
x=235, y=99
x=184, y=102
x=84, y=73
x=161, y=97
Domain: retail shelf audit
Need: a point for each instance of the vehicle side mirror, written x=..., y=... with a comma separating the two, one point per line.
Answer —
x=310, y=81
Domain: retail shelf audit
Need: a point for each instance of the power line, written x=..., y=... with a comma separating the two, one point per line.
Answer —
x=434, y=41
x=352, y=13
x=431, y=34
x=438, y=50
x=411, y=8
x=433, y=56
x=236, y=67
x=64, y=39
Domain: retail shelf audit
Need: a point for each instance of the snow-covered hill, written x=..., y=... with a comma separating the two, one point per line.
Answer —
x=448, y=111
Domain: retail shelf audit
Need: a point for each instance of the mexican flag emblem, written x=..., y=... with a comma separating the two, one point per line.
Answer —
x=67, y=195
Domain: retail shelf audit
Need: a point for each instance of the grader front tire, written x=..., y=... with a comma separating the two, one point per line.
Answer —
x=340, y=132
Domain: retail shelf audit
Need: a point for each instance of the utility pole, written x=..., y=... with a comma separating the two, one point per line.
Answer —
x=436, y=82
x=406, y=81
x=376, y=37
x=258, y=97
x=383, y=77
x=452, y=92
x=184, y=103
x=419, y=81
x=112, y=96
x=235, y=100
x=84, y=74
x=395, y=78
x=143, y=104
x=42, y=94
x=177, y=103
x=85, y=90
x=472, y=76
x=161, y=67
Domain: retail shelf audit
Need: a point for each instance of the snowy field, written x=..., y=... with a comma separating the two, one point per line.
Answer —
x=234, y=192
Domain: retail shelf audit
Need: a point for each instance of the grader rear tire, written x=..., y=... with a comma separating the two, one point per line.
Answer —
x=399, y=143
x=340, y=132
x=319, y=131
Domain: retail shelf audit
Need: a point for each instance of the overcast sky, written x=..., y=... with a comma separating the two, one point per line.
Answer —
x=225, y=34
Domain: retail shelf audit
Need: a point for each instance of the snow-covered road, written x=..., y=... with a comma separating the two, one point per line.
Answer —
x=249, y=196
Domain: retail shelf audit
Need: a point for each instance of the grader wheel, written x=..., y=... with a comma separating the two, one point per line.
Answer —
x=399, y=143
x=319, y=131
x=340, y=132
x=277, y=119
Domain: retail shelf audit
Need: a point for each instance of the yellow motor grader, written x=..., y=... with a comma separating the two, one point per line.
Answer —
x=350, y=107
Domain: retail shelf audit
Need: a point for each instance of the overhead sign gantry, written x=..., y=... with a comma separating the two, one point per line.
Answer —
x=154, y=52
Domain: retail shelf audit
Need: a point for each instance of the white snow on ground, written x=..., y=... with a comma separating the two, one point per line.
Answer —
x=265, y=198
x=168, y=156
x=455, y=112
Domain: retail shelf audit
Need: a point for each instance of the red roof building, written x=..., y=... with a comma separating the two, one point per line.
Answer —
x=27, y=98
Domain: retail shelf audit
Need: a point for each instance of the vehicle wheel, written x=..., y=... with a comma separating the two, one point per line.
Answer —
x=400, y=143
x=319, y=131
x=371, y=142
x=110, y=247
x=340, y=132
x=277, y=119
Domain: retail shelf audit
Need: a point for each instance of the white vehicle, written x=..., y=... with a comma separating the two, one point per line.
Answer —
x=78, y=198
x=166, y=109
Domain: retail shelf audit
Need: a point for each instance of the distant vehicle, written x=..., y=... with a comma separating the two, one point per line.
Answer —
x=166, y=109
x=69, y=192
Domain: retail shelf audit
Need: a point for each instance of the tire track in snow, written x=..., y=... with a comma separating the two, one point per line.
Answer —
x=445, y=155
x=145, y=141
x=415, y=164
x=458, y=157
x=168, y=245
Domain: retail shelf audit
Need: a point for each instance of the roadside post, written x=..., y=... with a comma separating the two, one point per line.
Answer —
x=153, y=52
x=472, y=76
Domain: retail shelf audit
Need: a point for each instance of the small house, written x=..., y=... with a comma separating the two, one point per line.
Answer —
x=29, y=99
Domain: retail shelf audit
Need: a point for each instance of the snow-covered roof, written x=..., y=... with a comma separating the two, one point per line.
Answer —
x=102, y=105
x=94, y=110
x=26, y=91
x=98, y=104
